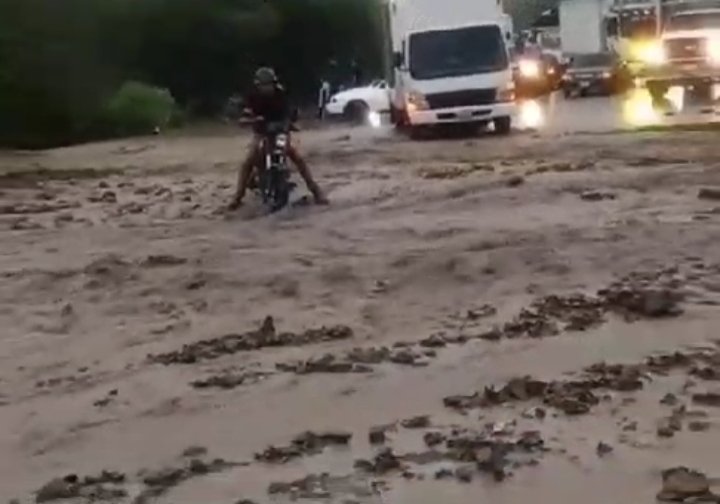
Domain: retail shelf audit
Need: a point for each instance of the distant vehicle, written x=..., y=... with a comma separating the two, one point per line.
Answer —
x=688, y=52
x=536, y=76
x=583, y=26
x=357, y=103
x=600, y=73
x=450, y=63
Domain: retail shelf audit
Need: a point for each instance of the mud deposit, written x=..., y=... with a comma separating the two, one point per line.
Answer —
x=531, y=318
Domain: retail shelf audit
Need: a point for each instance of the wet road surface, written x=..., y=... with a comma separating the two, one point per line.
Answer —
x=635, y=109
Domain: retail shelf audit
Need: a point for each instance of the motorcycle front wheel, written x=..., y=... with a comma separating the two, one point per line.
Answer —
x=280, y=193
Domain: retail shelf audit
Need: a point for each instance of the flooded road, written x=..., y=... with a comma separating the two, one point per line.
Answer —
x=635, y=109
x=404, y=317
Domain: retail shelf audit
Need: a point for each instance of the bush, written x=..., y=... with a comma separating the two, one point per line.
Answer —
x=137, y=109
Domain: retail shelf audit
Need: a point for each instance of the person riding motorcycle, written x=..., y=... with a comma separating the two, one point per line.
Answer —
x=268, y=102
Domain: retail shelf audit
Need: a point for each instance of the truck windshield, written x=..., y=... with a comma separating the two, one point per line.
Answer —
x=637, y=27
x=695, y=21
x=454, y=53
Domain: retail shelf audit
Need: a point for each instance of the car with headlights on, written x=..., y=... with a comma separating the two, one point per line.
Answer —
x=360, y=103
x=536, y=75
x=596, y=73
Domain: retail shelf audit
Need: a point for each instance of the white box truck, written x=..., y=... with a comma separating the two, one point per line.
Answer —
x=582, y=26
x=450, y=63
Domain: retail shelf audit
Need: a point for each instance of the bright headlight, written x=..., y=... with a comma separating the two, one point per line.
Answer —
x=529, y=68
x=416, y=101
x=652, y=53
x=281, y=141
x=713, y=50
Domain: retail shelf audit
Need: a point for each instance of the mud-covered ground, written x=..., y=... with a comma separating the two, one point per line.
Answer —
x=437, y=334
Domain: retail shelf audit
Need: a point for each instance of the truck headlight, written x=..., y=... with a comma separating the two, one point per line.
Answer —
x=416, y=101
x=506, y=93
x=529, y=68
x=713, y=50
x=652, y=53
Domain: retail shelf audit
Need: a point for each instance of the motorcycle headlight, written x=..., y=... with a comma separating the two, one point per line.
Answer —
x=529, y=68
x=281, y=141
x=713, y=50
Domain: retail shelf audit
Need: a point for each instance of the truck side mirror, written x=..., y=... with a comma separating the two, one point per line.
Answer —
x=397, y=60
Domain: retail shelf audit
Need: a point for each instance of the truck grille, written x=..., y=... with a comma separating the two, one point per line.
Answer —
x=685, y=48
x=461, y=98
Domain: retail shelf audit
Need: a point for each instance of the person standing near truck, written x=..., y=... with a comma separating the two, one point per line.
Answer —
x=323, y=97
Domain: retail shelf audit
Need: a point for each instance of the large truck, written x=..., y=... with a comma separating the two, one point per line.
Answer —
x=687, y=51
x=583, y=26
x=449, y=62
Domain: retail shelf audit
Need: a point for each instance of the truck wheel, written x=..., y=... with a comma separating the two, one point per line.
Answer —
x=503, y=125
x=356, y=112
x=657, y=91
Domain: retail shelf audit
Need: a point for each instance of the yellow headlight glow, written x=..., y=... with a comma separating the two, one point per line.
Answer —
x=713, y=50
x=529, y=68
x=651, y=52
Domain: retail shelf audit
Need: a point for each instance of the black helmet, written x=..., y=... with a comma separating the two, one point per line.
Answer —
x=265, y=75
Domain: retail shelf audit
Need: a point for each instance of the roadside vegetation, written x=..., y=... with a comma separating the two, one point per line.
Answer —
x=81, y=70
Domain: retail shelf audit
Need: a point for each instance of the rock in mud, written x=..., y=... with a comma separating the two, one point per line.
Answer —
x=463, y=402
x=603, y=449
x=166, y=477
x=444, y=473
x=194, y=451
x=227, y=381
x=328, y=363
x=59, y=489
x=681, y=483
x=707, y=399
x=698, y=426
x=403, y=357
x=464, y=474
x=531, y=441
x=93, y=488
x=103, y=197
x=377, y=435
x=669, y=399
x=433, y=341
x=155, y=261
x=597, y=196
x=264, y=337
x=492, y=460
x=433, y=438
x=633, y=299
x=307, y=443
x=515, y=181
x=386, y=461
x=418, y=422
x=709, y=193
x=535, y=413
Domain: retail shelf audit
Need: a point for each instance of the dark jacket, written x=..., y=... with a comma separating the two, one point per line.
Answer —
x=272, y=107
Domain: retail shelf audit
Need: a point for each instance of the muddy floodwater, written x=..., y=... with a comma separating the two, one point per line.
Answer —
x=530, y=318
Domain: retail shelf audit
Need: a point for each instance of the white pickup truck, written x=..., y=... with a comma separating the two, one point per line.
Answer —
x=450, y=63
x=356, y=104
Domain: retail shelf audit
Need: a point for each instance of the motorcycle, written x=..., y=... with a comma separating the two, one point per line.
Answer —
x=272, y=177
